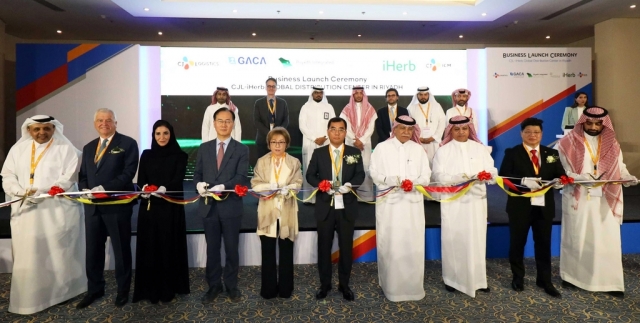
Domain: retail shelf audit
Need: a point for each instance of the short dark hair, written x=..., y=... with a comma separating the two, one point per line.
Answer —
x=531, y=122
x=391, y=89
x=336, y=119
x=271, y=79
x=233, y=115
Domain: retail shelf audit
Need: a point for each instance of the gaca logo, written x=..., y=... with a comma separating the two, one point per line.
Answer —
x=185, y=63
x=248, y=60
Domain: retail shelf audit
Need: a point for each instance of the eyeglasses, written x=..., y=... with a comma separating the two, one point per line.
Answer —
x=535, y=133
x=278, y=143
x=271, y=86
x=223, y=122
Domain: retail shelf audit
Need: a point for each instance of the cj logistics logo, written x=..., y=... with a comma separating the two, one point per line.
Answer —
x=186, y=63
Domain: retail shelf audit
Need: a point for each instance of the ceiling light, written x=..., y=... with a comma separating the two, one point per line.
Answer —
x=321, y=12
x=253, y=34
x=146, y=9
x=234, y=10
x=461, y=36
x=632, y=6
x=404, y=13
x=59, y=31
x=484, y=14
x=160, y=33
x=548, y=37
x=359, y=35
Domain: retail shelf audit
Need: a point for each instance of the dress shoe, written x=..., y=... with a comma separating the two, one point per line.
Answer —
x=549, y=289
x=347, y=293
x=211, y=294
x=485, y=290
x=568, y=284
x=121, y=299
x=617, y=294
x=517, y=285
x=234, y=295
x=88, y=299
x=322, y=293
x=449, y=288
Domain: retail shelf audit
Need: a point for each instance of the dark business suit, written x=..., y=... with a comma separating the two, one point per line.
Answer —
x=329, y=219
x=222, y=219
x=262, y=120
x=383, y=123
x=115, y=172
x=522, y=215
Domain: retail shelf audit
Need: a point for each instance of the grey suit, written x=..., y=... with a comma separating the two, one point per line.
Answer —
x=222, y=219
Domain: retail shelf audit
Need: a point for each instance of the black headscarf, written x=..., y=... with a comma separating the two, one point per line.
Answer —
x=171, y=148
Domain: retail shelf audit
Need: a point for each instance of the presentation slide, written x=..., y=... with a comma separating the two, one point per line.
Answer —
x=189, y=76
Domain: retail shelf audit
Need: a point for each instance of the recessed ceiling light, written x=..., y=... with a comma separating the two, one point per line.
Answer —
x=461, y=36
x=160, y=33
x=59, y=31
x=321, y=12
x=234, y=10
x=146, y=9
x=404, y=13
x=484, y=14
x=359, y=35
x=632, y=6
x=253, y=34
x=548, y=37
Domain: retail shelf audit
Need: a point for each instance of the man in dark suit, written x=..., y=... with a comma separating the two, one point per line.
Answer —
x=109, y=163
x=533, y=163
x=221, y=164
x=269, y=112
x=388, y=114
x=337, y=209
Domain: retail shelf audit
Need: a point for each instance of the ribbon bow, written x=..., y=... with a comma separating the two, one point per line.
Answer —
x=324, y=186
x=407, y=185
x=150, y=188
x=55, y=190
x=484, y=176
x=564, y=180
x=241, y=190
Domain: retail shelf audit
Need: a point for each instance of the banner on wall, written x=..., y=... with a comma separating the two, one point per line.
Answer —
x=198, y=71
x=532, y=82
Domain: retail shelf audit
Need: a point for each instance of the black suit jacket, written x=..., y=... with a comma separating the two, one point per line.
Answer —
x=383, y=123
x=115, y=172
x=233, y=171
x=321, y=168
x=261, y=118
x=516, y=163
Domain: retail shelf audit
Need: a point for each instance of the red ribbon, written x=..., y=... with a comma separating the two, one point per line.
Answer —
x=407, y=185
x=241, y=190
x=150, y=188
x=564, y=180
x=484, y=176
x=324, y=186
x=55, y=190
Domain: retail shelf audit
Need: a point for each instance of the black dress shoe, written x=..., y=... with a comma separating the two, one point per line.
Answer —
x=235, y=295
x=517, y=285
x=568, y=284
x=88, y=299
x=211, y=294
x=347, y=293
x=121, y=299
x=449, y=288
x=549, y=289
x=617, y=294
x=322, y=293
x=485, y=290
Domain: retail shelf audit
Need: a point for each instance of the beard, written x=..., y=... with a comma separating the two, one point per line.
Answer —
x=423, y=101
x=317, y=100
x=462, y=103
x=592, y=132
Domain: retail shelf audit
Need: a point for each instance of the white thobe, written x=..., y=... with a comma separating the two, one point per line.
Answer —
x=48, y=238
x=462, y=111
x=365, y=191
x=209, y=132
x=400, y=220
x=312, y=121
x=590, y=247
x=434, y=128
x=464, y=221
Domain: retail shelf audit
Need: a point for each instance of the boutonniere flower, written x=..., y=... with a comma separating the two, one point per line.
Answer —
x=116, y=150
x=351, y=159
x=552, y=159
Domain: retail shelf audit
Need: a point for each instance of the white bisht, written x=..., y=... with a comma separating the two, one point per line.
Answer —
x=400, y=219
x=464, y=221
x=208, y=131
x=313, y=120
x=47, y=234
x=431, y=119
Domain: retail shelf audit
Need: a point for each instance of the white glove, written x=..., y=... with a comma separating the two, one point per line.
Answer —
x=98, y=188
x=344, y=189
x=331, y=192
x=161, y=189
x=459, y=178
x=284, y=192
x=532, y=183
x=581, y=177
x=292, y=187
x=202, y=188
x=88, y=195
x=390, y=181
x=144, y=196
x=217, y=188
x=492, y=181
x=630, y=178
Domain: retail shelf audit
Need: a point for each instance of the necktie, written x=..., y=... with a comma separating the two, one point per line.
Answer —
x=272, y=115
x=102, y=147
x=336, y=161
x=220, y=154
x=534, y=159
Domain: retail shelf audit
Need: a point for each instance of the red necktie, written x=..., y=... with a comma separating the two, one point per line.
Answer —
x=220, y=154
x=534, y=159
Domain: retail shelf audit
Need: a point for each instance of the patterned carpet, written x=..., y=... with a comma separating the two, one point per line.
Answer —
x=501, y=305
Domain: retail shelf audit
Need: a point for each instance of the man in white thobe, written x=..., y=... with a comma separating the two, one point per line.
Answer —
x=47, y=234
x=400, y=220
x=460, y=98
x=220, y=99
x=591, y=250
x=430, y=117
x=361, y=118
x=313, y=119
x=464, y=221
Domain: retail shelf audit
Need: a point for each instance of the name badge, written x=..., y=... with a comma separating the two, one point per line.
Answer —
x=537, y=201
x=326, y=115
x=338, y=202
x=426, y=133
x=270, y=126
x=595, y=191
